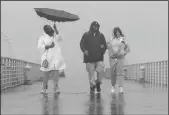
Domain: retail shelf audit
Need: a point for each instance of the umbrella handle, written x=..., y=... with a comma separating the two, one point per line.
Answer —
x=54, y=23
x=56, y=27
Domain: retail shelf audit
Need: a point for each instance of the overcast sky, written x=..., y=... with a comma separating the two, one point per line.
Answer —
x=145, y=26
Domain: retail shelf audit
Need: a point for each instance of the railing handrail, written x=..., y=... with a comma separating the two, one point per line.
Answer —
x=146, y=63
x=20, y=60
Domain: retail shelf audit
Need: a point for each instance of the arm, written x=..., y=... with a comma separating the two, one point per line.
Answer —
x=82, y=46
x=41, y=45
x=55, y=29
x=110, y=50
x=127, y=48
x=104, y=45
x=58, y=37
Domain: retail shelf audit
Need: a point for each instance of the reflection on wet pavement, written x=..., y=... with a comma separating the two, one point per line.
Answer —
x=117, y=104
x=45, y=104
x=55, y=104
x=46, y=110
x=137, y=99
x=95, y=105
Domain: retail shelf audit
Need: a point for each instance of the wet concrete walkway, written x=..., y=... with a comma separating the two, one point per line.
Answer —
x=76, y=99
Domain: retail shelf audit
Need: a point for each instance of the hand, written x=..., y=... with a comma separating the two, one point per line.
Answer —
x=125, y=53
x=49, y=46
x=54, y=26
x=52, y=45
x=109, y=46
x=102, y=46
x=114, y=56
x=56, y=31
x=120, y=55
x=86, y=52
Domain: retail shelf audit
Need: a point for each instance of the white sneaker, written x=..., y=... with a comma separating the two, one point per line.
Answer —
x=56, y=90
x=121, y=89
x=43, y=90
x=112, y=90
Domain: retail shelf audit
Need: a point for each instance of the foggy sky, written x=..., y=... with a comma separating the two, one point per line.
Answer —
x=144, y=24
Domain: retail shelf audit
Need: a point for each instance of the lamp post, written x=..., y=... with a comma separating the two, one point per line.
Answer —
x=26, y=69
x=142, y=74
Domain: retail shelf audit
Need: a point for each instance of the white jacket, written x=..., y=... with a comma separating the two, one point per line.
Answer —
x=53, y=55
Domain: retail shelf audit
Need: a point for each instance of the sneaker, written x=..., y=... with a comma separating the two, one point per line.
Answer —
x=112, y=89
x=44, y=89
x=92, y=88
x=56, y=90
x=121, y=89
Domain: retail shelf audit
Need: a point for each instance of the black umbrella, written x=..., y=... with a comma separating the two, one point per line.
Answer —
x=56, y=15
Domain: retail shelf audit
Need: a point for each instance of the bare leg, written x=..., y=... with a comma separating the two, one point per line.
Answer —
x=99, y=80
x=91, y=73
x=45, y=82
x=46, y=79
x=55, y=76
x=100, y=74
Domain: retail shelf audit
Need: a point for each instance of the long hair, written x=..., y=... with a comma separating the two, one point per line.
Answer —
x=119, y=30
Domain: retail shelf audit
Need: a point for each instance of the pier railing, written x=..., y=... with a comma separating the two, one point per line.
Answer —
x=154, y=72
x=13, y=72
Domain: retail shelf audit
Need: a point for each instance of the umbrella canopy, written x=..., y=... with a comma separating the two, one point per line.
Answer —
x=56, y=15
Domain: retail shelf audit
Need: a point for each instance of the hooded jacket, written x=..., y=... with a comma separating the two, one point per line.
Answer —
x=94, y=44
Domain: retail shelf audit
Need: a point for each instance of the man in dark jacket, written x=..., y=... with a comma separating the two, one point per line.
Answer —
x=93, y=46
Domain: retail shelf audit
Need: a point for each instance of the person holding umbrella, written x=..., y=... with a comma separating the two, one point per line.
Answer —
x=51, y=58
x=118, y=48
x=93, y=46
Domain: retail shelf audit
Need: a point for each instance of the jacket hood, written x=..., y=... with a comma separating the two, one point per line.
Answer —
x=92, y=24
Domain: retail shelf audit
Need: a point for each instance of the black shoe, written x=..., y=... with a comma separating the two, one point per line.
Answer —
x=98, y=87
x=92, y=88
x=46, y=86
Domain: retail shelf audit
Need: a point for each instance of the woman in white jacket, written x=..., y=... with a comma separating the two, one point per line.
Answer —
x=50, y=50
x=118, y=48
